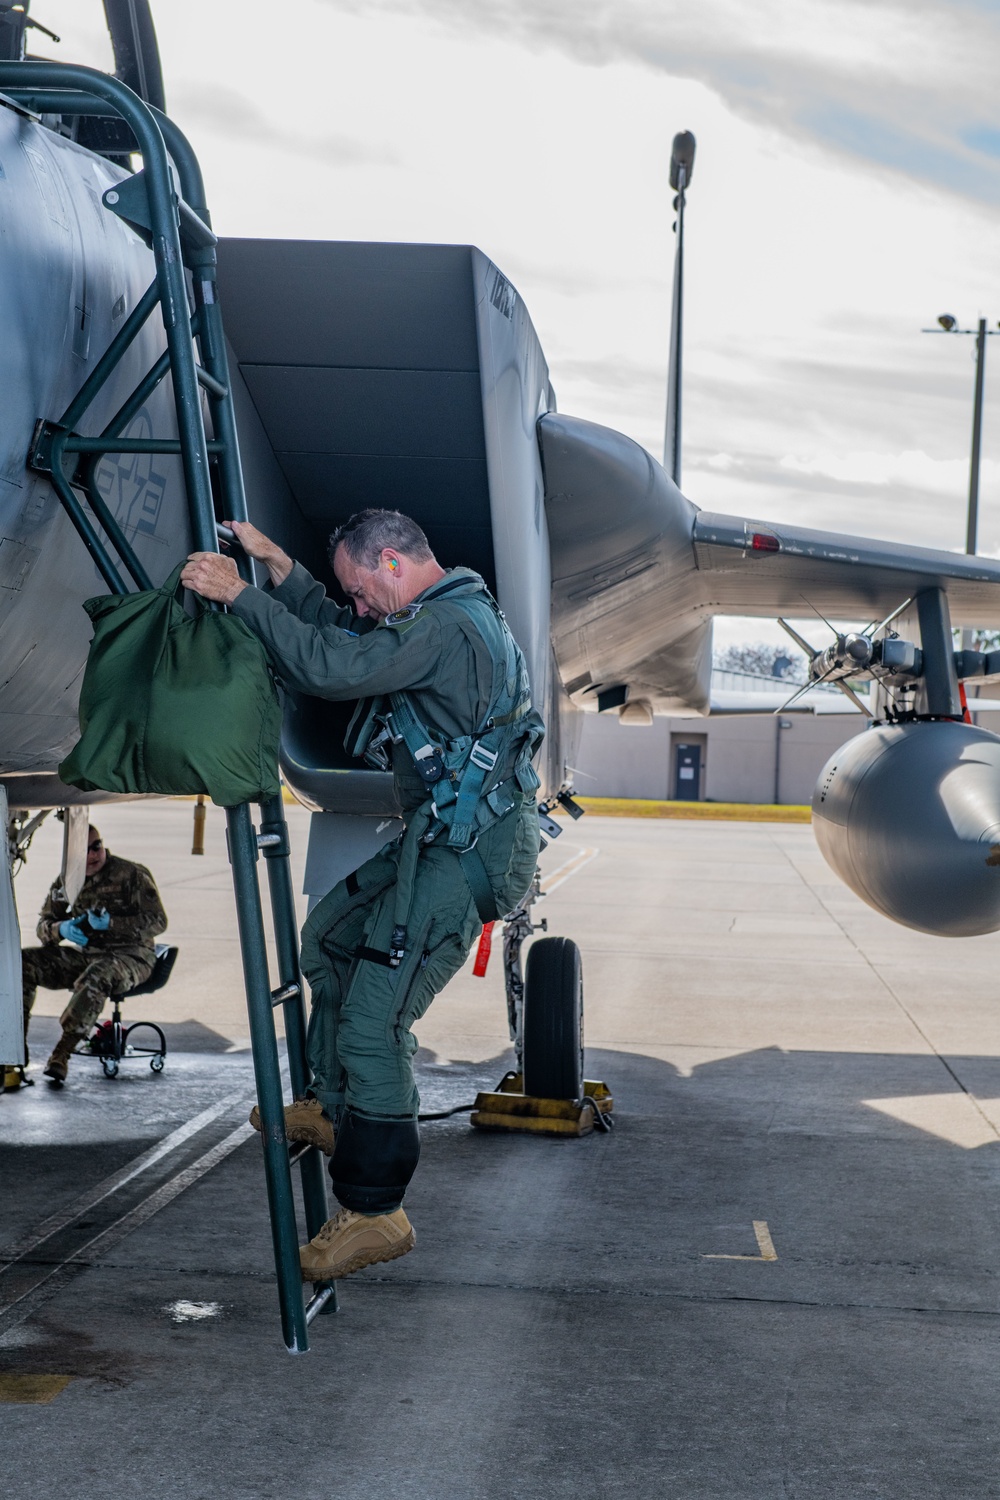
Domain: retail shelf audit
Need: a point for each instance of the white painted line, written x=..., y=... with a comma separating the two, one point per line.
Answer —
x=567, y=870
x=165, y=1194
x=95, y=1195
x=22, y=1307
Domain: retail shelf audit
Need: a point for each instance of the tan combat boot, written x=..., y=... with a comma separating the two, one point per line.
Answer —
x=349, y=1241
x=58, y=1064
x=306, y=1122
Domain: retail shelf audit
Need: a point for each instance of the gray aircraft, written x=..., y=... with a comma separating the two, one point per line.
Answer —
x=369, y=374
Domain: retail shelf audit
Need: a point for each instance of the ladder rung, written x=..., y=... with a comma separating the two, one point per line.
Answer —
x=317, y=1303
x=213, y=387
x=285, y=992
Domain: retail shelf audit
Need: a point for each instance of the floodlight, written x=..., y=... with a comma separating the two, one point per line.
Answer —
x=947, y=322
x=682, y=160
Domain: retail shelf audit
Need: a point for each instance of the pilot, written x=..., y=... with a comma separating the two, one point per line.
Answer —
x=108, y=934
x=444, y=693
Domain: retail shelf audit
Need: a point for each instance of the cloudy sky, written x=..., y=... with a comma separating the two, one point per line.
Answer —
x=846, y=190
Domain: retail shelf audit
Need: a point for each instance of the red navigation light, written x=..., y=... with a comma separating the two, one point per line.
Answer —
x=763, y=541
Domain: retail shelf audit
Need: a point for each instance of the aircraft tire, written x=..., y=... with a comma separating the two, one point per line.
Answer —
x=553, y=1020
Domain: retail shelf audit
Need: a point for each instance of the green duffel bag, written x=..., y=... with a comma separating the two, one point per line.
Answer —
x=175, y=704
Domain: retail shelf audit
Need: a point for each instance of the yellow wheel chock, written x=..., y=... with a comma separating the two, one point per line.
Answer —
x=511, y=1109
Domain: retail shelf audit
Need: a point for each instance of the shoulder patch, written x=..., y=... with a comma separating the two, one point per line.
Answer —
x=405, y=615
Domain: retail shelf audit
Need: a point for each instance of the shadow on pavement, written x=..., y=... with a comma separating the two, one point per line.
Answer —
x=562, y=1327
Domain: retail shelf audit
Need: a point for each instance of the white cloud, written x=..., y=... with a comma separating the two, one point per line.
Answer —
x=902, y=83
x=914, y=469
x=835, y=209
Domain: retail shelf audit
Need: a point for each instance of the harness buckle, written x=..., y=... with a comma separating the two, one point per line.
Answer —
x=482, y=758
x=397, y=947
x=429, y=763
x=376, y=752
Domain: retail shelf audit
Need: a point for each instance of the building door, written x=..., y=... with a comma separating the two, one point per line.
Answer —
x=687, y=784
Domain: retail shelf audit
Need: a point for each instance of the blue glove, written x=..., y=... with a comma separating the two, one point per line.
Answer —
x=99, y=922
x=72, y=932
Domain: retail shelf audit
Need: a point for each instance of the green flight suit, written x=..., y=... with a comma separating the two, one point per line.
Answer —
x=360, y=1041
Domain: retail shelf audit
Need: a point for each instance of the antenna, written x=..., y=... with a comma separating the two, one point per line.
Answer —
x=681, y=168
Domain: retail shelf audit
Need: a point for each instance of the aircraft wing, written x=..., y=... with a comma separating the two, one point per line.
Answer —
x=751, y=568
x=728, y=701
x=638, y=572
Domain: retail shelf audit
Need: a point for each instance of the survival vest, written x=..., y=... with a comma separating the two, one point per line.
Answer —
x=471, y=781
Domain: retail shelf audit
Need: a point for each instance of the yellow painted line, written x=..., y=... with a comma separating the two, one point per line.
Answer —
x=31, y=1390
x=764, y=1242
x=567, y=870
x=736, y=812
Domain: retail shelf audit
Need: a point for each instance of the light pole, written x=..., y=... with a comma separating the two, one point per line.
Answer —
x=948, y=324
x=681, y=168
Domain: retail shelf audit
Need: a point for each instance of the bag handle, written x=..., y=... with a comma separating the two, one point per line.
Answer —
x=172, y=588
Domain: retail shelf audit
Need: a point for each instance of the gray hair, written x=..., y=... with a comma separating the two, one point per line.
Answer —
x=365, y=534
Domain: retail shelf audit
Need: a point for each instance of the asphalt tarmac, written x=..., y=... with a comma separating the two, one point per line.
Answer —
x=778, y=1277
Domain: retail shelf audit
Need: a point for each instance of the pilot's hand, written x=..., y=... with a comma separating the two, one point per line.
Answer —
x=256, y=544
x=72, y=931
x=99, y=921
x=213, y=577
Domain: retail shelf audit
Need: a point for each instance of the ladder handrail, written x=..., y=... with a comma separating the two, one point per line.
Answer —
x=45, y=87
x=59, y=101
x=169, y=263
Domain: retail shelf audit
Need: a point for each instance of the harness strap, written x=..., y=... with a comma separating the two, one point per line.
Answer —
x=479, y=884
x=479, y=766
x=406, y=872
x=518, y=712
x=374, y=956
x=446, y=586
x=457, y=772
x=424, y=753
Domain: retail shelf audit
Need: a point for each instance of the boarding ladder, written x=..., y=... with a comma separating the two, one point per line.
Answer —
x=178, y=230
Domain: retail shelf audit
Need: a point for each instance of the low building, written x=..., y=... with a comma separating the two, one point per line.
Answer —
x=740, y=757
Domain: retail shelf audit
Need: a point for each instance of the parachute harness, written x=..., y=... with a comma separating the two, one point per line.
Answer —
x=473, y=780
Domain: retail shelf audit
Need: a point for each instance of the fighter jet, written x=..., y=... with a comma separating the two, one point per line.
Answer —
x=309, y=379
x=366, y=374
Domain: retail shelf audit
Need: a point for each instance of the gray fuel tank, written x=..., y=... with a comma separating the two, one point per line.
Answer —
x=907, y=815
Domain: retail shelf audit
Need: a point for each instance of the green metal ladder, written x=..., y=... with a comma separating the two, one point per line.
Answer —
x=178, y=231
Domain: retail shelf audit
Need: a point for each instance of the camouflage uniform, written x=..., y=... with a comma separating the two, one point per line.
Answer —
x=113, y=961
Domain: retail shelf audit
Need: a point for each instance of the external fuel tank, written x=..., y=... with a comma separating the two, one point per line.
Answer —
x=907, y=815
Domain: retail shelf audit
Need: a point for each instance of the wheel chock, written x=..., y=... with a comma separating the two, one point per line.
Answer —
x=511, y=1109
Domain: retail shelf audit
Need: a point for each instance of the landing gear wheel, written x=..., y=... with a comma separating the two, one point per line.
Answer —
x=110, y=1066
x=553, y=1020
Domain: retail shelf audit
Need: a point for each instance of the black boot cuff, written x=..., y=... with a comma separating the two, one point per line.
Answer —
x=373, y=1162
